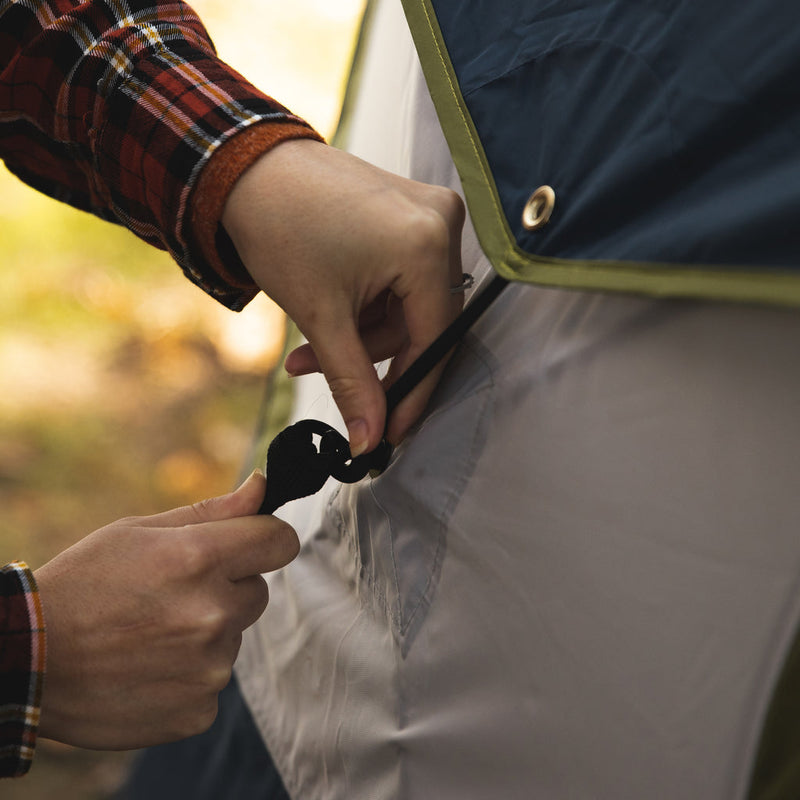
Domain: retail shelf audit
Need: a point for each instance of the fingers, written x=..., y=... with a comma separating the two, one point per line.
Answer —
x=429, y=265
x=244, y=501
x=244, y=546
x=224, y=533
x=392, y=340
x=253, y=599
x=301, y=361
x=353, y=382
x=382, y=330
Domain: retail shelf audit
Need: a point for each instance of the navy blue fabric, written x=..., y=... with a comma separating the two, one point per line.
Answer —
x=228, y=761
x=668, y=128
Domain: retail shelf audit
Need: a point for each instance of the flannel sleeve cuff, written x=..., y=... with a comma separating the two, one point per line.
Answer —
x=117, y=108
x=224, y=168
x=22, y=666
x=179, y=109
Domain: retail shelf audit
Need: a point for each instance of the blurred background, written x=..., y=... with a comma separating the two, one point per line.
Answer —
x=123, y=388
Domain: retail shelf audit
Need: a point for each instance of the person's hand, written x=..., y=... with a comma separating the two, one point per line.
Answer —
x=361, y=260
x=144, y=619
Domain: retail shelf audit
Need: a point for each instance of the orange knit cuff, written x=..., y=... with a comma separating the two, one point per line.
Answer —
x=224, y=168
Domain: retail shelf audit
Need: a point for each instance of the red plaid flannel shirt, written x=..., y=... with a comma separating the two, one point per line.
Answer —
x=22, y=659
x=118, y=107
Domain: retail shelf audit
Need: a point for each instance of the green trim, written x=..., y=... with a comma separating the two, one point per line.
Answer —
x=776, y=774
x=766, y=285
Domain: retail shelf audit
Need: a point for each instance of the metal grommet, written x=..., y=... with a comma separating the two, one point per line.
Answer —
x=538, y=209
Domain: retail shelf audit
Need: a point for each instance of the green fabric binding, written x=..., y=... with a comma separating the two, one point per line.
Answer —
x=494, y=234
x=776, y=773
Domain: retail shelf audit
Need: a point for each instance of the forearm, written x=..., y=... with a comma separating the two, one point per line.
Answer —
x=118, y=108
x=22, y=660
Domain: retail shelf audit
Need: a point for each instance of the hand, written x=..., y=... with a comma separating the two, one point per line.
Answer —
x=361, y=260
x=144, y=619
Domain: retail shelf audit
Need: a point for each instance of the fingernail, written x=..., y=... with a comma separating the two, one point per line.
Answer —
x=250, y=477
x=359, y=438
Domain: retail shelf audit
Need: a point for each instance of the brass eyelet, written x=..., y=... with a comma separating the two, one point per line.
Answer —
x=538, y=209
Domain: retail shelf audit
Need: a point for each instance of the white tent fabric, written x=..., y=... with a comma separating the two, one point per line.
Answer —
x=578, y=578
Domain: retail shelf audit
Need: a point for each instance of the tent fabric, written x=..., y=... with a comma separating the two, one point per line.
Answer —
x=667, y=129
x=578, y=577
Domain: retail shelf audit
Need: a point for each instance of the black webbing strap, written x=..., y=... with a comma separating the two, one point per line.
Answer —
x=298, y=466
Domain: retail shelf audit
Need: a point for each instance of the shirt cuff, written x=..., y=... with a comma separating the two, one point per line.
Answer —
x=228, y=163
x=22, y=665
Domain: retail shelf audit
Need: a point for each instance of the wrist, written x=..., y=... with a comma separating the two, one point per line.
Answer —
x=218, y=180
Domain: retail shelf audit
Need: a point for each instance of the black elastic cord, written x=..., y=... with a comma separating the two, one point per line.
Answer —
x=376, y=461
x=445, y=342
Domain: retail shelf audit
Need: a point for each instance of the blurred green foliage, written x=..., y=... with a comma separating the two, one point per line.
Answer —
x=119, y=396
x=123, y=389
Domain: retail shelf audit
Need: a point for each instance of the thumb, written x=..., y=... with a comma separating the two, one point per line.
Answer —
x=243, y=502
x=354, y=385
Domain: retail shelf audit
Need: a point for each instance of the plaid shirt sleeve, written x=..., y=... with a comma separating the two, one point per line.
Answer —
x=117, y=106
x=22, y=660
